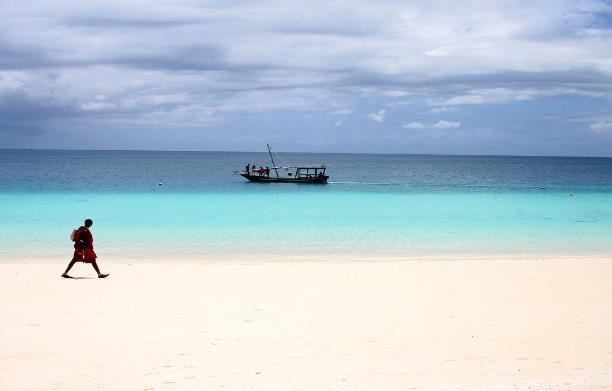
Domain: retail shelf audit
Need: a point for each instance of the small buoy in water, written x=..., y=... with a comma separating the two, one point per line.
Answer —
x=159, y=184
x=543, y=187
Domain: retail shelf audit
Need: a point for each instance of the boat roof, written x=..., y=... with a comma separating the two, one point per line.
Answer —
x=302, y=166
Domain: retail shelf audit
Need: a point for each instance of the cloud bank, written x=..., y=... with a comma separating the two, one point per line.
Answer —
x=176, y=65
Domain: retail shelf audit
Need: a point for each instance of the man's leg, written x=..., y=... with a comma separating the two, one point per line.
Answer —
x=70, y=265
x=97, y=269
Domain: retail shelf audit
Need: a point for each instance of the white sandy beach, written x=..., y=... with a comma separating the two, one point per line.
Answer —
x=446, y=325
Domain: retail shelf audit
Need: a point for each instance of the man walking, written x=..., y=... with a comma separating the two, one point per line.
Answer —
x=83, y=249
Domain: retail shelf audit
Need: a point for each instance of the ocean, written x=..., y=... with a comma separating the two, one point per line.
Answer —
x=374, y=206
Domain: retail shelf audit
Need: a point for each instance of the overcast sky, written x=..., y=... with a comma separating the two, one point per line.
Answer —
x=460, y=77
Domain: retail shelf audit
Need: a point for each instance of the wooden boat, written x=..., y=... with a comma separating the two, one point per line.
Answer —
x=289, y=174
x=297, y=174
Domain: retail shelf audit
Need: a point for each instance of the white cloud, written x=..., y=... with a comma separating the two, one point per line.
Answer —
x=467, y=100
x=378, y=116
x=442, y=51
x=11, y=82
x=438, y=110
x=602, y=127
x=414, y=125
x=504, y=95
x=442, y=124
x=446, y=124
x=97, y=106
x=396, y=93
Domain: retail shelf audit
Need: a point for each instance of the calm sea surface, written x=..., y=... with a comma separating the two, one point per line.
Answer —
x=374, y=206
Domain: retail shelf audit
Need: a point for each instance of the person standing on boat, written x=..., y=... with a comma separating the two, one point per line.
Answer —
x=246, y=169
x=83, y=249
x=268, y=172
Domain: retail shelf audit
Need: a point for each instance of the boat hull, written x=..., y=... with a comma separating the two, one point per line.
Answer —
x=257, y=178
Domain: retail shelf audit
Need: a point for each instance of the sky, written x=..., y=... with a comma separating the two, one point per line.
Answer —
x=441, y=77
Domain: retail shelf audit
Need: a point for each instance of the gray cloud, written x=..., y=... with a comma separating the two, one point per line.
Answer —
x=195, y=58
x=128, y=23
x=188, y=63
x=12, y=58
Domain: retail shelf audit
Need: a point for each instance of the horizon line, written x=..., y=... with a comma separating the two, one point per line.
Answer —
x=308, y=152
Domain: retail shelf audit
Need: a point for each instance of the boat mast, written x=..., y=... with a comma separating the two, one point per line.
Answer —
x=272, y=158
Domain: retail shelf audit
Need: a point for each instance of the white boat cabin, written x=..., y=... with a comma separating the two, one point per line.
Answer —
x=298, y=172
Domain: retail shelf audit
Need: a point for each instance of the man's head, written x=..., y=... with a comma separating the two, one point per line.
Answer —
x=88, y=223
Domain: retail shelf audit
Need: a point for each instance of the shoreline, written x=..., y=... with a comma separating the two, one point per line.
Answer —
x=473, y=325
x=265, y=259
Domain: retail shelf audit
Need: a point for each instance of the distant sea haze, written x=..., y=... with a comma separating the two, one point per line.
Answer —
x=192, y=206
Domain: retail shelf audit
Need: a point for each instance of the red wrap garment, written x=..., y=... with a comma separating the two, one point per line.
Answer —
x=83, y=246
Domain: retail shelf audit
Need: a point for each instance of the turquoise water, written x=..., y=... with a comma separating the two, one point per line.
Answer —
x=376, y=206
